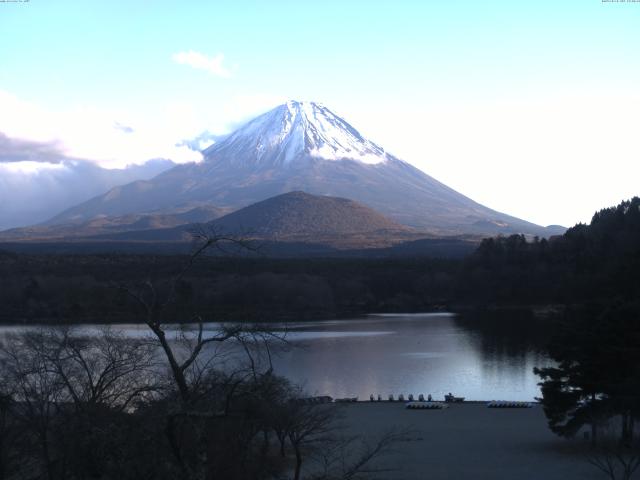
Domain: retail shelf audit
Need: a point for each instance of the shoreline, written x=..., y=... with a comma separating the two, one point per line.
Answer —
x=538, y=311
x=469, y=440
x=465, y=402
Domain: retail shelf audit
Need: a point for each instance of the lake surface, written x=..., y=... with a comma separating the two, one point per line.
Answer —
x=395, y=354
x=409, y=354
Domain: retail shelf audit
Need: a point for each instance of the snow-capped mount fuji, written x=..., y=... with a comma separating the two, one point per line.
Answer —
x=293, y=132
x=303, y=146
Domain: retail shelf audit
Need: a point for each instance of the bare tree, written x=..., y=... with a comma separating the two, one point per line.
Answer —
x=153, y=303
x=354, y=458
x=315, y=432
x=204, y=392
x=38, y=395
x=96, y=406
x=617, y=459
x=9, y=433
x=107, y=369
x=308, y=425
x=64, y=387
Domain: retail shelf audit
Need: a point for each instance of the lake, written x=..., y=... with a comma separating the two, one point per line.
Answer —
x=429, y=353
x=409, y=354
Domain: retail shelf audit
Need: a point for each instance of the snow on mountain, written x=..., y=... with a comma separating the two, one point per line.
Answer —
x=303, y=146
x=296, y=130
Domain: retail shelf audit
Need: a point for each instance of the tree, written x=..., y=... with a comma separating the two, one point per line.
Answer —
x=9, y=436
x=618, y=460
x=67, y=393
x=185, y=402
x=204, y=392
x=597, y=374
x=308, y=424
x=353, y=458
x=154, y=301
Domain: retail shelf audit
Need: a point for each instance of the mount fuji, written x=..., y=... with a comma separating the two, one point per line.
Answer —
x=304, y=146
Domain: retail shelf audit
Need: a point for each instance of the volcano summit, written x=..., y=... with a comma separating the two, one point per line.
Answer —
x=304, y=146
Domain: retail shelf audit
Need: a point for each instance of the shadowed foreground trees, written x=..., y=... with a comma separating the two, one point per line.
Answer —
x=78, y=407
x=596, y=383
x=68, y=396
x=617, y=460
x=183, y=402
x=597, y=376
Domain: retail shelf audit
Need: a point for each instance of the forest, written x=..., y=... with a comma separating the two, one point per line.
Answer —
x=133, y=401
x=588, y=264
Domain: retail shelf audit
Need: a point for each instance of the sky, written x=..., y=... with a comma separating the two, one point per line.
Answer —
x=530, y=108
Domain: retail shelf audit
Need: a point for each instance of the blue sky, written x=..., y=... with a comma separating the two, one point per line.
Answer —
x=528, y=107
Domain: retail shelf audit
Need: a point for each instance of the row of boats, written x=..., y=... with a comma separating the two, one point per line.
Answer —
x=420, y=403
x=449, y=398
x=491, y=404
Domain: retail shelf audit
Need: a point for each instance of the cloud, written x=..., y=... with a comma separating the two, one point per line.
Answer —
x=117, y=137
x=201, y=141
x=32, y=192
x=111, y=138
x=51, y=159
x=18, y=150
x=39, y=179
x=200, y=61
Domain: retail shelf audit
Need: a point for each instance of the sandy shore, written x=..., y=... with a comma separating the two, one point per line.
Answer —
x=471, y=441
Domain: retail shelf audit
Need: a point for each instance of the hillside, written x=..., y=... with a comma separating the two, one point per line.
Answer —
x=303, y=146
x=107, y=225
x=301, y=215
x=296, y=220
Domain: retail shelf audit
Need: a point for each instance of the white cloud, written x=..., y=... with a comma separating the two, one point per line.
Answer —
x=50, y=159
x=96, y=134
x=200, y=61
x=116, y=137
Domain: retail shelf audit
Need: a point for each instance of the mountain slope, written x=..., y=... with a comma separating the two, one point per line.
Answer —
x=294, y=217
x=300, y=215
x=104, y=225
x=304, y=146
x=27, y=199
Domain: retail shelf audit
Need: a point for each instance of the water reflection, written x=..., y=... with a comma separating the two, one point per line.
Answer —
x=510, y=342
x=418, y=354
x=475, y=357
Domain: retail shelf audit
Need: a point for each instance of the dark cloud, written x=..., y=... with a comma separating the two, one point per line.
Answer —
x=28, y=198
x=18, y=150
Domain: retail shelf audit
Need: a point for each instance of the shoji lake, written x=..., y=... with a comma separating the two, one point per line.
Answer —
x=396, y=354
